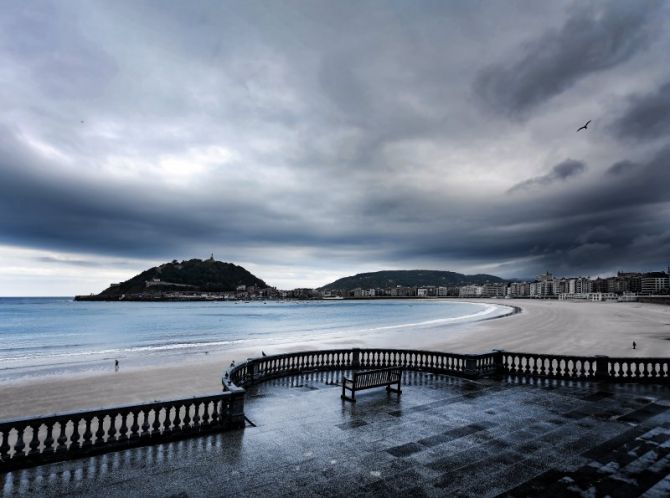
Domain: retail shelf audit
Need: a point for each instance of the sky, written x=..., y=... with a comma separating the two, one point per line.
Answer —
x=307, y=141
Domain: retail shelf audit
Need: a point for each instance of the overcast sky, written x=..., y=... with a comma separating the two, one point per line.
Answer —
x=307, y=141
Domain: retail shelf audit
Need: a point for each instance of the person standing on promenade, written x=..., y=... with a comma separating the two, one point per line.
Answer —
x=116, y=365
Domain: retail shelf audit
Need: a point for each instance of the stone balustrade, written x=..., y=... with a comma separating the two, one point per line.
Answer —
x=33, y=441
x=498, y=362
x=639, y=369
x=37, y=440
x=258, y=370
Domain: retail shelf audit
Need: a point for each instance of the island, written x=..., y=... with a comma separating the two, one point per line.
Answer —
x=192, y=280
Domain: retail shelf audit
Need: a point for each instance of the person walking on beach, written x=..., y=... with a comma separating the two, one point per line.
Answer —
x=116, y=365
x=634, y=345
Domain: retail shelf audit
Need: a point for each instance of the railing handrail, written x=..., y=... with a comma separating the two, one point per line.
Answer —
x=30, y=441
x=56, y=417
x=597, y=366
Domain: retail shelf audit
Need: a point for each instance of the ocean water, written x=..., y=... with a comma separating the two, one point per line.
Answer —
x=55, y=336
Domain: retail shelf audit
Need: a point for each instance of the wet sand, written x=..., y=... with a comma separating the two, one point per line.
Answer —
x=578, y=328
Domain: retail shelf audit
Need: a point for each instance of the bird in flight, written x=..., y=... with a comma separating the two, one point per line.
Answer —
x=585, y=127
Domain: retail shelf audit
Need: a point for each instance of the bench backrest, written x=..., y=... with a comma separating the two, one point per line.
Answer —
x=380, y=377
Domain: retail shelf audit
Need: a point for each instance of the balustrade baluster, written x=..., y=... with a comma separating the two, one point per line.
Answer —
x=187, y=417
x=19, y=445
x=156, y=425
x=62, y=436
x=205, y=413
x=34, y=444
x=75, y=437
x=145, y=422
x=100, y=433
x=168, y=422
x=123, y=431
x=112, y=432
x=49, y=439
x=196, y=415
x=135, y=427
x=216, y=411
x=4, y=447
x=86, y=443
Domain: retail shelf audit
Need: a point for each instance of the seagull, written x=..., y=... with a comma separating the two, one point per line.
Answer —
x=263, y=353
x=585, y=127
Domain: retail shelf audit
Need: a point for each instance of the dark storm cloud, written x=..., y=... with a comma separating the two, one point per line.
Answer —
x=618, y=222
x=330, y=134
x=592, y=39
x=621, y=168
x=646, y=116
x=560, y=172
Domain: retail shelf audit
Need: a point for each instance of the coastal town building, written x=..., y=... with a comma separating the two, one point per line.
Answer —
x=654, y=283
x=471, y=291
x=497, y=290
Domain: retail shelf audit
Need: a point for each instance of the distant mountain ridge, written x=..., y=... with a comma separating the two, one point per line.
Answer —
x=409, y=278
x=194, y=275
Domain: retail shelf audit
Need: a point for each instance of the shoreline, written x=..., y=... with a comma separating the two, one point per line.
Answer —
x=572, y=328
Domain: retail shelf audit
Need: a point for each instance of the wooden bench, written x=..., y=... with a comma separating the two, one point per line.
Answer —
x=372, y=378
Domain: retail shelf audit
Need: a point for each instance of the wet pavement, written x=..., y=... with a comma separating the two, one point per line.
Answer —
x=443, y=436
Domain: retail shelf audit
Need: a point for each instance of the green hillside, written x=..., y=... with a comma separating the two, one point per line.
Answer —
x=409, y=278
x=192, y=275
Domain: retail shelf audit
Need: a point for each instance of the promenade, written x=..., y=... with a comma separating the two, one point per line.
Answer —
x=443, y=436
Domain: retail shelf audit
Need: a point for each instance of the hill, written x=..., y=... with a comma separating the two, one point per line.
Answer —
x=194, y=275
x=409, y=278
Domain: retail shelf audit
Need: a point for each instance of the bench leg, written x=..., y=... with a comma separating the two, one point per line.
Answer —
x=347, y=398
x=391, y=390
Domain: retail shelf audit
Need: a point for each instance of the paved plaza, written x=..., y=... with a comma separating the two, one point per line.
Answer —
x=444, y=436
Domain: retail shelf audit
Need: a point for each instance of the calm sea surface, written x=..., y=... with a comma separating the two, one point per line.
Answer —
x=54, y=336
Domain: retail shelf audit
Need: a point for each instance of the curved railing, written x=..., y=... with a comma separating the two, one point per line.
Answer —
x=598, y=368
x=37, y=440
x=258, y=370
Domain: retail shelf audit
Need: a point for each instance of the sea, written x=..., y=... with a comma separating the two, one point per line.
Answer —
x=41, y=337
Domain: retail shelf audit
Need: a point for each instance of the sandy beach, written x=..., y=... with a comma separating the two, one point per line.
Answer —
x=578, y=328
